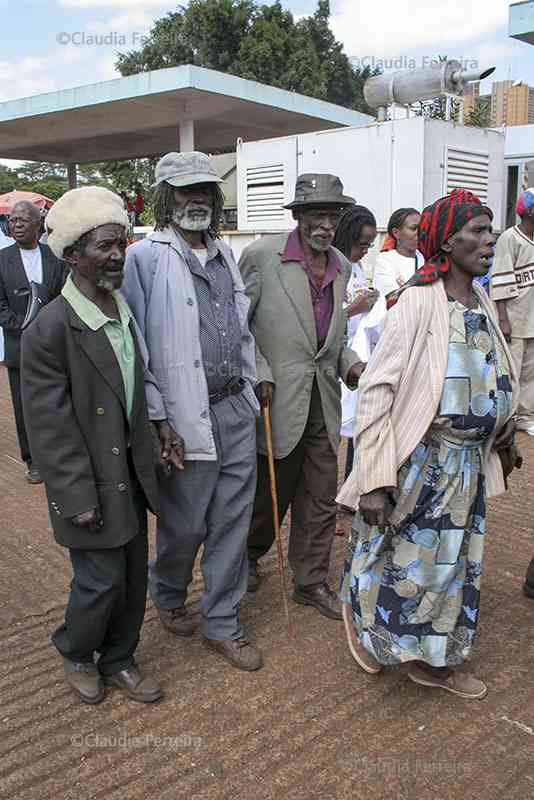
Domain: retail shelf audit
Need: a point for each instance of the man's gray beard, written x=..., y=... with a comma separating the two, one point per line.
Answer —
x=105, y=285
x=315, y=244
x=192, y=223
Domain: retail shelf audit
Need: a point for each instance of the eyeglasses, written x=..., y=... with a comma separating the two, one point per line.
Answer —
x=364, y=245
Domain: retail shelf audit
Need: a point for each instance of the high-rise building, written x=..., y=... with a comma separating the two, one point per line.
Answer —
x=470, y=97
x=511, y=104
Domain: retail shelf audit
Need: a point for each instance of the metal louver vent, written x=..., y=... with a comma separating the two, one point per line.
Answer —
x=467, y=169
x=265, y=194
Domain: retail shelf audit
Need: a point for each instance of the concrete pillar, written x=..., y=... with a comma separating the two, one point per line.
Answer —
x=72, y=176
x=187, y=136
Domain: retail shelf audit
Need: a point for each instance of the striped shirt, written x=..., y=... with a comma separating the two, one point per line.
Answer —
x=220, y=329
x=512, y=279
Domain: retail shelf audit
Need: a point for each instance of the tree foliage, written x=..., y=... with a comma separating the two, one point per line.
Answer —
x=481, y=114
x=259, y=42
x=51, y=179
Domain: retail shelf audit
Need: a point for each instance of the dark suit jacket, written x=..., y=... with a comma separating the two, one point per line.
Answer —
x=75, y=411
x=12, y=307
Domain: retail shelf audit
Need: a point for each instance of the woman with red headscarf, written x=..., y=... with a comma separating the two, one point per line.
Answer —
x=436, y=404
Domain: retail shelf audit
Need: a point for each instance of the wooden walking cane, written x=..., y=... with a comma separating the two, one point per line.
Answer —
x=276, y=520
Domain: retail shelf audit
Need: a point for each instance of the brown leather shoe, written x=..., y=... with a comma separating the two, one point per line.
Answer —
x=144, y=690
x=461, y=683
x=86, y=681
x=181, y=621
x=254, y=577
x=320, y=597
x=528, y=586
x=239, y=652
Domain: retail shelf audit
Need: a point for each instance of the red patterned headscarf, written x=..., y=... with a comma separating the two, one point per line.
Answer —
x=438, y=223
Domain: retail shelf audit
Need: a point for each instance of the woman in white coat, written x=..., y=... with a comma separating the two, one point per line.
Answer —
x=355, y=234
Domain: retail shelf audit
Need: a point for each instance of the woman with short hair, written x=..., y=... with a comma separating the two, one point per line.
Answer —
x=399, y=257
x=435, y=405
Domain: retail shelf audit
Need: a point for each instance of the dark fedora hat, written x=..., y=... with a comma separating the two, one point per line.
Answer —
x=319, y=189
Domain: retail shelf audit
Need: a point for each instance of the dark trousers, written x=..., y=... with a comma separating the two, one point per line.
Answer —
x=350, y=457
x=16, y=399
x=106, y=605
x=306, y=480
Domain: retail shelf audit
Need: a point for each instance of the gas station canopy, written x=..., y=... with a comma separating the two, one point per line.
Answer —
x=154, y=112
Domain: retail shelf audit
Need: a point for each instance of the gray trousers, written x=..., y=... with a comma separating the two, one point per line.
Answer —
x=523, y=353
x=210, y=503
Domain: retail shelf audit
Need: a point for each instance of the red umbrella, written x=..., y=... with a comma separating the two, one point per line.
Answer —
x=7, y=201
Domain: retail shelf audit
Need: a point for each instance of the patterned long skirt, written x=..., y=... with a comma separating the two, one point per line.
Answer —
x=415, y=589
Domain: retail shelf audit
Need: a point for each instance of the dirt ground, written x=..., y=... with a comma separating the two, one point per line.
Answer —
x=309, y=725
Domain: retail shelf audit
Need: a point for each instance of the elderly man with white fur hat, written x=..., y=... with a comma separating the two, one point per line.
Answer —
x=85, y=389
x=186, y=293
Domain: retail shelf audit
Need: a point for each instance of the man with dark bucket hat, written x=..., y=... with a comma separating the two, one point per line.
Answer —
x=188, y=298
x=296, y=285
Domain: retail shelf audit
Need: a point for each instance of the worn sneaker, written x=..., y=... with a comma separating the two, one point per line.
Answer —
x=138, y=687
x=86, y=681
x=461, y=683
x=181, y=621
x=366, y=661
x=239, y=652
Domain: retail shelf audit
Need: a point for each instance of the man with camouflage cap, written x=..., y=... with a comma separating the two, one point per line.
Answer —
x=188, y=298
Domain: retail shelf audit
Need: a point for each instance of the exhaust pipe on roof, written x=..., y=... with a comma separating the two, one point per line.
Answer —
x=409, y=86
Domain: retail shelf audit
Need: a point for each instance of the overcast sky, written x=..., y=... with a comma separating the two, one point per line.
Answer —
x=50, y=44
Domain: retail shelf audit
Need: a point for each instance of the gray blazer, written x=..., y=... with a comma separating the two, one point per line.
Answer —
x=159, y=289
x=283, y=325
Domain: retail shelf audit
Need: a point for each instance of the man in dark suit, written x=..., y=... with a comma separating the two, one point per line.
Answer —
x=21, y=264
x=83, y=386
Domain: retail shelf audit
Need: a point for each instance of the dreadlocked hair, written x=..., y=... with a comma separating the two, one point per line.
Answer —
x=164, y=205
x=350, y=226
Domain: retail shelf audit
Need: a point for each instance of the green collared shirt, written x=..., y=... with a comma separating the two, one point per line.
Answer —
x=118, y=332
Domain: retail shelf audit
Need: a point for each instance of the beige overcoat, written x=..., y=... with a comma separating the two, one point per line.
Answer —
x=401, y=389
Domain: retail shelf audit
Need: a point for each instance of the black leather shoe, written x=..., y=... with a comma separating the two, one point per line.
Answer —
x=86, y=681
x=528, y=586
x=320, y=597
x=254, y=577
x=144, y=690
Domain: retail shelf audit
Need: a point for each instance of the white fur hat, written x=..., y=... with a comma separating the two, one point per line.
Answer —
x=80, y=211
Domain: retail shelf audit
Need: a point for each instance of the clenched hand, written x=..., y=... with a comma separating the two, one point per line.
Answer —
x=89, y=519
x=376, y=507
x=172, y=445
